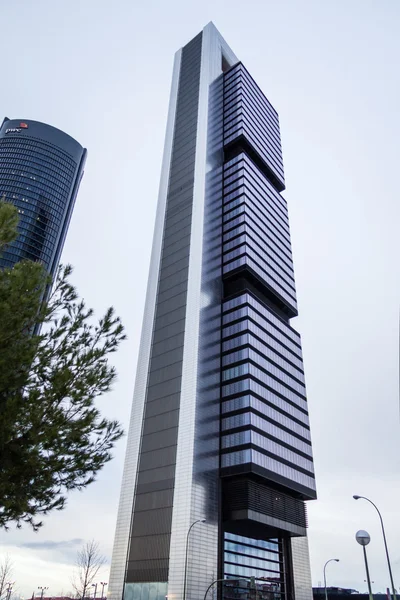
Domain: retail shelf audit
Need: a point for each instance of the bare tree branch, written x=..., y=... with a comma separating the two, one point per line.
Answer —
x=6, y=574
x=89, y=561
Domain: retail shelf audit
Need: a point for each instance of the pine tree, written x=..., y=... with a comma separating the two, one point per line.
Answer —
x=53, y=438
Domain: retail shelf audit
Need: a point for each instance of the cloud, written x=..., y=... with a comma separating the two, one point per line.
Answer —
x=52, y=545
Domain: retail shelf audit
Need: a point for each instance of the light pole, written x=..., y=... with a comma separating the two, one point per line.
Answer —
x=210, y=586
x=103, y=583
x=95, y=590
x=363, y=538
x=9, y=589
x=384, y=541
x=327, y=562
x=41, y=587
x=186, y=556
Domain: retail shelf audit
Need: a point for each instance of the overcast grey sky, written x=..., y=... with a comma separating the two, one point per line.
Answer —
x=101, y=72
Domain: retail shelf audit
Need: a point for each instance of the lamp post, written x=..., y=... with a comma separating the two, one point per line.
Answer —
x=384, y=541
x=95, y=590
x=327, y=562
x=363, y=538
x=103, y=584
x=9, y=589
x=186, y=555
x=210, y=586
x=41, y=587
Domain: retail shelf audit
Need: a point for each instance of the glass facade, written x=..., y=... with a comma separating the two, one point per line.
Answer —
x=40, y=172
x=219, y=457
x=146, y=591
x=253, y=568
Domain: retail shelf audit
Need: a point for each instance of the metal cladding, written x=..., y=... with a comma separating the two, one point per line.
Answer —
x=219, y=428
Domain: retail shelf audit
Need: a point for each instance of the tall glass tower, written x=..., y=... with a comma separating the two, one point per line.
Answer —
x=40, y=171
x=219, y=428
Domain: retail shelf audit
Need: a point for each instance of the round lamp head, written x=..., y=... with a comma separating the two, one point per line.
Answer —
x=356, y=497
x=363, y=537
x=202, y=520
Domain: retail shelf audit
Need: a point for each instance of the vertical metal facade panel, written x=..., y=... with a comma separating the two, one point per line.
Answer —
x=301, y=568
x=197, y=476
x=127, y=498
x=165, y=372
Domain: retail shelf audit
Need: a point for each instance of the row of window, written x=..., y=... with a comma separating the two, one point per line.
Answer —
x=276, y=386
x=265, y=312
x=294, y=367
x=260, y=247
x=31, y=252
x=242, y=84
x=29, y=203
x=247, y=249
x=251, y=419
x=27, y=226
x=240, y=571
x=241, y=193
x=244, y=226
x=53, y=204
x=242, y=97
x=247, y=218
x=259, y=184
x=34, y=175
x=15, y=187
x=252, y=456
x=31, y=213
x=243, y=118
x=240, y=71
x=250, y=561
x=245, y=131
x=271, y=544
x=251, y=386
x=267, y=359
x=276, y=416
x=281, y=345
x=18, y=159
x=241, y=101
x=241, y=175
x=270, y=281
x=27, y=182
x=39, y=146
x=14, y=157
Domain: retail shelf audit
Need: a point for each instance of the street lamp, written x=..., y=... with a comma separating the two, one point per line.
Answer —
x=103, y=583
x=363, y=538
x=186, y=556
x=327, y=562
x=210, y=586
x=41, y=587
x=384, y=541
x=95, y=590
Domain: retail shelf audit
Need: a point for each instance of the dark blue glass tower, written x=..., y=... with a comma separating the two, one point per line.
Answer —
x=40, y=171
x=219, y=459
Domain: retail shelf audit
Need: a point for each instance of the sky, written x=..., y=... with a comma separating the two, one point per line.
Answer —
x=101, y=72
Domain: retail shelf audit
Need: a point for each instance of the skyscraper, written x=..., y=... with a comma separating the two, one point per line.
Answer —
x=219, y=428
x=40, y=171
